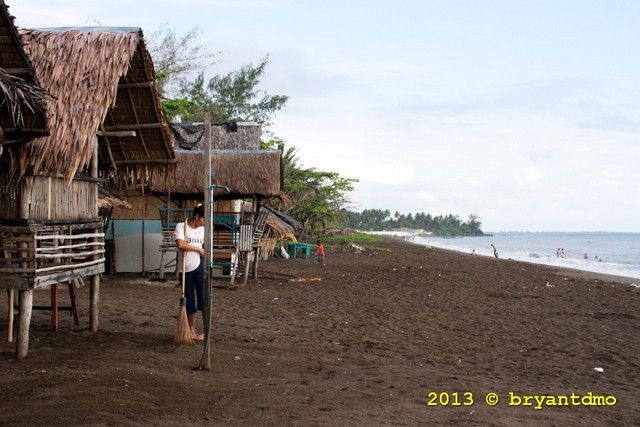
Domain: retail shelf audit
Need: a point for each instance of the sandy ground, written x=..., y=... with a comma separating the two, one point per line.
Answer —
x=374, y=342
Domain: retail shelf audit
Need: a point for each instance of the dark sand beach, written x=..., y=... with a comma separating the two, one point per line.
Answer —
x=367, y=344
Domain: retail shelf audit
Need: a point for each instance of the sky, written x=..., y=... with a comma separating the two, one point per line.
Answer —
x=525, y=113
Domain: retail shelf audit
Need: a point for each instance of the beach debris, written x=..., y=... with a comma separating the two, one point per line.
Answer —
x=550, y=286
x=598, y=369
x=304, y=279
x=236, y=358
x=633, y=286
x=352, y=247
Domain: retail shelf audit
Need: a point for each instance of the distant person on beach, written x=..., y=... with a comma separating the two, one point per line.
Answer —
x=558, y=253
x=473, y=252
x=320, y=252
x=586, y=256
x=495, y=251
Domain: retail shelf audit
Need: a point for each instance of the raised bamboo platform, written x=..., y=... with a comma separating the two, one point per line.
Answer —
x=35, y=255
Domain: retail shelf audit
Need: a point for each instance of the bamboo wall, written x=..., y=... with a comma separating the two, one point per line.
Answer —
x=39, y=255
x=45, y=198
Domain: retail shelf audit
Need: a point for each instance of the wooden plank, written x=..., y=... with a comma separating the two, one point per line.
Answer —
x=13, y=281
x=69, y=266
x=68, y=236
x=17, y=270
x=70, y=255
x=65, y=276
x=79, y=245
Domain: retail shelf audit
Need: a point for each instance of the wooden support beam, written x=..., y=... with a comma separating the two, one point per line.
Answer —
x=147, y=162
x=18, y=71
x=144, y=145
x=11, y=294
x=133, y=126
x=54, y=307
x=117, y=134
x=33, y=131
x=74, y=300
x=140, y=85
x=94, y=299
x=24, y=321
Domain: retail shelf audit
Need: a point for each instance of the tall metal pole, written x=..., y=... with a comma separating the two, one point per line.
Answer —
x=205, y=361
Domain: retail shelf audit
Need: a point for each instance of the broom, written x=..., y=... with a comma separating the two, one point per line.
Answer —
x=183, y=332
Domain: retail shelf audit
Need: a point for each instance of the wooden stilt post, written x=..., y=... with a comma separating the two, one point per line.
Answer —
x=11, y=294
x=255, y=263
x=247, y=262
x=24, y=320
x=94, y=297
x=94, y=287
x=54, y=306
x=74, y=301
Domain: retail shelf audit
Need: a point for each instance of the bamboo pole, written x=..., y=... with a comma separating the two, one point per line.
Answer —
x=94, y=289
x=11, y=295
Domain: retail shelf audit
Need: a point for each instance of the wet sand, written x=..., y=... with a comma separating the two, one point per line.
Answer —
x=368, y=344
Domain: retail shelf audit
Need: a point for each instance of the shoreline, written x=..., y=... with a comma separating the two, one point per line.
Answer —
x=574, y=272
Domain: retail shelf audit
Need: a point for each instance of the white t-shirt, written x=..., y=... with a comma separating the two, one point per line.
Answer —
x=195, y=237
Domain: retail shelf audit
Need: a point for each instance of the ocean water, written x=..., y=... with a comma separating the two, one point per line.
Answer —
x=608, y=253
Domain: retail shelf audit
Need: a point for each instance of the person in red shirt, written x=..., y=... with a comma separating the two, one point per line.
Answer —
x=320, y=253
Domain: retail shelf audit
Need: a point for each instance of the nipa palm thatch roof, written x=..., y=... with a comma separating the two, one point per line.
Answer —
x=246, y=173
x=103, y=80
x=108, y=199
x=22, y=100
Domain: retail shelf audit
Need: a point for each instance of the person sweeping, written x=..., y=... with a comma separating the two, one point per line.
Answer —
x=189, y=238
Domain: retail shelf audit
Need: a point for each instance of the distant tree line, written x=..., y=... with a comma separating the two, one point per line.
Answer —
x=382, y=220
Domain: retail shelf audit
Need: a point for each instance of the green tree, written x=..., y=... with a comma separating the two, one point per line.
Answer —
x=176, y=57
x=233, y=97
x=318, y=198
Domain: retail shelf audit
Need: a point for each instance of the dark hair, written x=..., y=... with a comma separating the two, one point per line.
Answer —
x=318, y=242
x=198, y=210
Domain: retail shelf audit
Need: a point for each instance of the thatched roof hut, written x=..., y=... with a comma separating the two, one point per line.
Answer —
x=103, y=81
x=22, y=100
x=246, y=173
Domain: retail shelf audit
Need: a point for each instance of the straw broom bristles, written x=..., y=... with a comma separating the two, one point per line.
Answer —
x=184, y=335
x=183, y=332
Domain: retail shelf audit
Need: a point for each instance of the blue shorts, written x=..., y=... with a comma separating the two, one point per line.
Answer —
x=194, y=289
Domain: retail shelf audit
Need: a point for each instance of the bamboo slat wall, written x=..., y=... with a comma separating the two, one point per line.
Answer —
x=49, y=252
x=48, y=199
x=9, y=196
